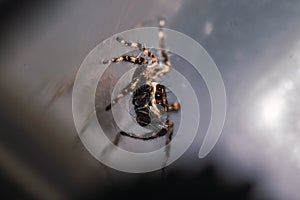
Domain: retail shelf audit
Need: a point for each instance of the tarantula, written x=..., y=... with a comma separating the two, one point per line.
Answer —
x=149, y=97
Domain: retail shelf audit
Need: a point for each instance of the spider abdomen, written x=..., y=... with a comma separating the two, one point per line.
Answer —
x=143, y=116
x=141, y=96
x=149, y=101
x=141, y=100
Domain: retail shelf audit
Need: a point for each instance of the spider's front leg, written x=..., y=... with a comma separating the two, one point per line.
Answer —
x=141, y=47
x=145, y=51
x=126, y=58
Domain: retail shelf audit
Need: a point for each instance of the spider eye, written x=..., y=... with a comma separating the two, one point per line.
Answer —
x=158, y=96
x=159, y=88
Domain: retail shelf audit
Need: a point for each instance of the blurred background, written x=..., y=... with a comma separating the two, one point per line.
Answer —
x=256, y=47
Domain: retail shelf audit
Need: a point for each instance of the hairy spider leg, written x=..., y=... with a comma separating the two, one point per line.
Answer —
x=132, y=59
x=170, y=124
x=129, y=88
x=161, y=37
x=166, y=130
x=126, y=58
x=146, y=52
x=164, y=54
x=137, y=78
x=141, y=47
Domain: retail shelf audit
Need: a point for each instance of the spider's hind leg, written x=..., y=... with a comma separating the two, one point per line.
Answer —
x=154, y=135
x=170, y=125
x=166, y=130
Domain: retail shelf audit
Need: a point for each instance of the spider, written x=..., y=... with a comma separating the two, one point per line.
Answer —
x=149, y=97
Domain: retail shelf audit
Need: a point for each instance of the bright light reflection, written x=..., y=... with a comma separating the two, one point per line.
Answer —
x=272, y=109
x=208, y=28
x=288, y=85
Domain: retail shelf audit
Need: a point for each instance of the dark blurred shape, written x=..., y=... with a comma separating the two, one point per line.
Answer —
x=9, y=190
x=11, y=9
x=17, y=13
x=38, y=159
x=205, y=184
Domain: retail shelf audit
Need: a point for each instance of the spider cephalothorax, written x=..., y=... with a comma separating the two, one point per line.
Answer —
x=148, y=95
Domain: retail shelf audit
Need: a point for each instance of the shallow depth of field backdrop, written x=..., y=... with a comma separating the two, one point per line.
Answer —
x=256, y=46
